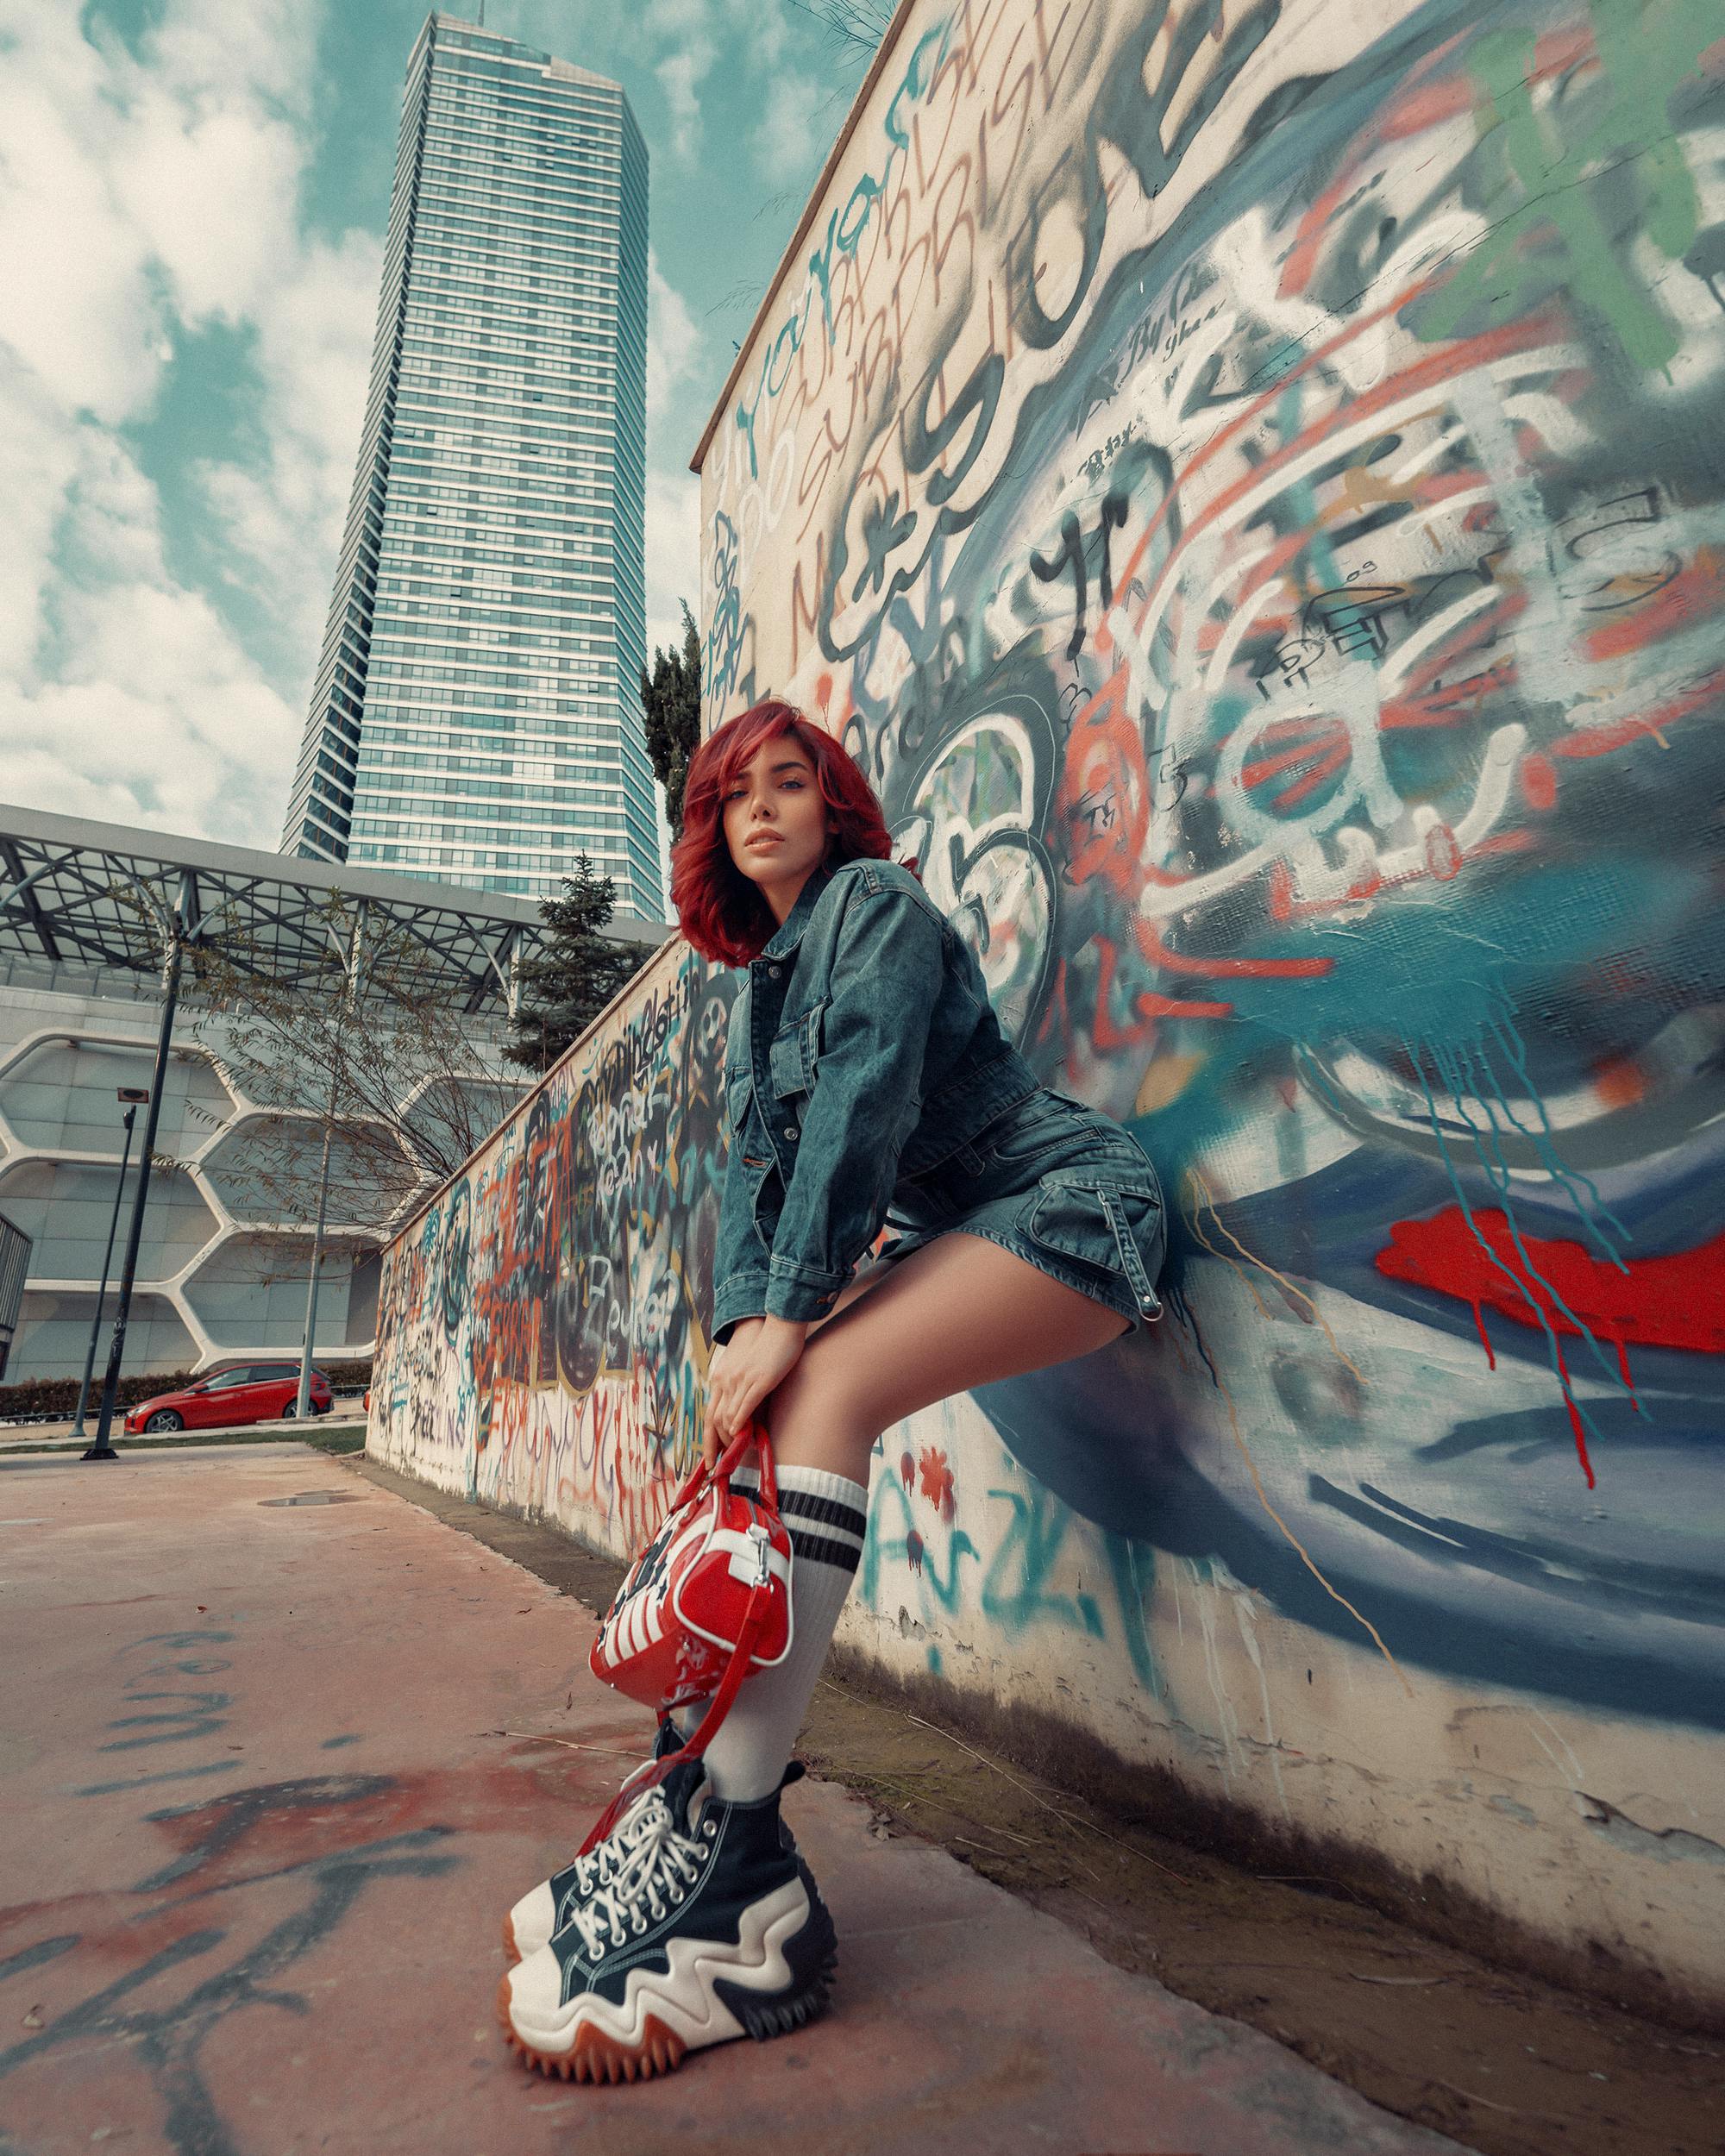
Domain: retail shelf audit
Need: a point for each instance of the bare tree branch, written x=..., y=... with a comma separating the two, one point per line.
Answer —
x=410, y=1082
x=856, y=26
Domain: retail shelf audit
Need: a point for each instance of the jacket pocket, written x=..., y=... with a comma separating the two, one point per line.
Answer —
x=793, y=1054
x=1112, y=1221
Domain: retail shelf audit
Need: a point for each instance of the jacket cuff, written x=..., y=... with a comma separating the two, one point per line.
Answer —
x=741, y=1295
x=801, y=1294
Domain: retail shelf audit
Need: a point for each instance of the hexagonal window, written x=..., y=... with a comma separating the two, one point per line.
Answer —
x=65, y=1207
x=54, y=1336
x=60, y=1096
x=250, y=1293
x=363, y=1283
x=457, y=1115
x=265, y=1168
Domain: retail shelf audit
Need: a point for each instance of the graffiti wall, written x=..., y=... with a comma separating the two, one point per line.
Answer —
x=1247, y=481
x=541, y=1326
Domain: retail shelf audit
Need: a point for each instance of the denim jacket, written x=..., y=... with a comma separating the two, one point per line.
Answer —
x=862, y=1049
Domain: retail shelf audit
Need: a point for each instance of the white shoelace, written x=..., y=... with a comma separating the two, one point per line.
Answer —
x=597, y=1863
x=659, y=1866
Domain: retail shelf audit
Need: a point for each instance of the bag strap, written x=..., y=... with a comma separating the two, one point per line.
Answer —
x=753, y=1435
x=719, y=1705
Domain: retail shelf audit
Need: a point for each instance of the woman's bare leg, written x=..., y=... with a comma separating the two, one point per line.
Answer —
x=958, y=1313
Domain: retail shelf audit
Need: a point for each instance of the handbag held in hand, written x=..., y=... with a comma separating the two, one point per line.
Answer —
x=707, y=1602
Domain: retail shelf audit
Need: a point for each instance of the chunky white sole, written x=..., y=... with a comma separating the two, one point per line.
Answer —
x=774, y=1979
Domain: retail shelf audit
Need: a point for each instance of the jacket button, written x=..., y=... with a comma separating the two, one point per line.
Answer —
x=772, y=973
x=791, y=1131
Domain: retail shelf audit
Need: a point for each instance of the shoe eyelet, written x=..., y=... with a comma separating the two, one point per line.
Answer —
x=599, y=1951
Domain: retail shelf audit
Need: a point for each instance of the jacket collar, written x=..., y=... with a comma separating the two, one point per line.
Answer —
x=786, y=938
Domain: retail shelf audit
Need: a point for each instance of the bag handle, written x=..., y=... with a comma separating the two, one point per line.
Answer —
x=752, y=1436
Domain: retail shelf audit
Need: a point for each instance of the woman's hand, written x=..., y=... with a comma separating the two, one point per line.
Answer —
x=759, y=1354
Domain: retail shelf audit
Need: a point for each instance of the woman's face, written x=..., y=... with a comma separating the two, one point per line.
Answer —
x=775, y=822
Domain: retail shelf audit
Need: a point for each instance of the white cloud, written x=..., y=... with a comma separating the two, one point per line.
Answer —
x=674, y=359
x=680, y=76
x=687, y=36
x=155, y=713
x=673, y=343
x=313, y=352
x=672, y=555
x=144, y=197
x=795, y=130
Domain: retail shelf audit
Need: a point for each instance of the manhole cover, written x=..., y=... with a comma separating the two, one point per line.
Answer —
x=315, y=1497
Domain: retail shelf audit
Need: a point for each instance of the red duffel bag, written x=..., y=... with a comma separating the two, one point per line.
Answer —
x=706, y=1602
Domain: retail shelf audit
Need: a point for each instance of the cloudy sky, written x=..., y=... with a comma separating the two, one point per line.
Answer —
x=193, y=195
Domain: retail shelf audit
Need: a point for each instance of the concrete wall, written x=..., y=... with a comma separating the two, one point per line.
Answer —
x=1246, y=483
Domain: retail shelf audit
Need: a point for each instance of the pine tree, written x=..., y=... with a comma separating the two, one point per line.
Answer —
x=576, y=975
x=671, y=698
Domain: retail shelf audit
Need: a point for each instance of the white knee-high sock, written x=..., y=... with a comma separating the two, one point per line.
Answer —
x=827, y=1516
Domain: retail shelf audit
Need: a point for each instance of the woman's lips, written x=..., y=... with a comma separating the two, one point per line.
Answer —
x=763, y=838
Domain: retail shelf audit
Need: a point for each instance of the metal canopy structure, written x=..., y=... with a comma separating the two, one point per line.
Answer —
x=97, y=900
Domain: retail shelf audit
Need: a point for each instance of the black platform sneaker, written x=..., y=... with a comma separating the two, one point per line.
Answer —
x=544, y=1909
x=710, y=1927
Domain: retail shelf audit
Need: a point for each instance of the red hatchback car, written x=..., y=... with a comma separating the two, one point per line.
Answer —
x=249, y=1392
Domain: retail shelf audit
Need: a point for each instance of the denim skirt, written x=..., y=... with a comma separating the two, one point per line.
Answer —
x=1061, y=1185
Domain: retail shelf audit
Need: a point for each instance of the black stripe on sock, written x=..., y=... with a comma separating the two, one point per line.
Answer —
x=809, y=1548
x=823, y=1512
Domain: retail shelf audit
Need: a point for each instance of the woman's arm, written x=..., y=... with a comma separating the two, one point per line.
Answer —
x=866, y=1098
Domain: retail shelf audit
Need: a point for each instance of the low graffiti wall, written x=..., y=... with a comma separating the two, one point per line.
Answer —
x=1246, y=483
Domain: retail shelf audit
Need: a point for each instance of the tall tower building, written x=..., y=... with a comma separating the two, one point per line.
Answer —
x=476, y=712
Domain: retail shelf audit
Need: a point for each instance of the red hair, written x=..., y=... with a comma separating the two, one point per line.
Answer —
x=722, y=913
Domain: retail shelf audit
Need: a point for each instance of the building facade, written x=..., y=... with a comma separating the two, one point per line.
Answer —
x=475, y=715
x=228, y=1227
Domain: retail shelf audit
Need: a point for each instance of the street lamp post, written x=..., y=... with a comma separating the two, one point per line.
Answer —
x=183, y=928
x=132, y=1095
x=302, y=1401
x=352, y=956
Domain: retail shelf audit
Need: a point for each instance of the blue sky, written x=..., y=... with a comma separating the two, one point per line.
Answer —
x=193, y=195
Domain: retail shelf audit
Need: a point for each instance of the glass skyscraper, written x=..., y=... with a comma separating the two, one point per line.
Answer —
x=476, y=712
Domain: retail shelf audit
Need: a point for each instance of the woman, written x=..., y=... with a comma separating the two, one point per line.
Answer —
x=863, y=1067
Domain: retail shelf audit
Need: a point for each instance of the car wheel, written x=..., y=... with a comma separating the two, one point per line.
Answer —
x=291, y=1411
x=166, y=1418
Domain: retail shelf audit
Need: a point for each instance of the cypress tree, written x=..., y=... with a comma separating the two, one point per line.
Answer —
x=577, y=973
x=671, y=699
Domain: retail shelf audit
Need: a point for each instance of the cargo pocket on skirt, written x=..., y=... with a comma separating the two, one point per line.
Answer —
x=1112, y=1222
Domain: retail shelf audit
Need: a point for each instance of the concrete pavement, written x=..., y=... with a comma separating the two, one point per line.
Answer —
x=278, y=1748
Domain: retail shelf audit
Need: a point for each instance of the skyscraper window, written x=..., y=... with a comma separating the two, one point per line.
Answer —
x=476, y=712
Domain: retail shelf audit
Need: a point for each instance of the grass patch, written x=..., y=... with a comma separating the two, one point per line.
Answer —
x=338, y=1440
x=348, y=1439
